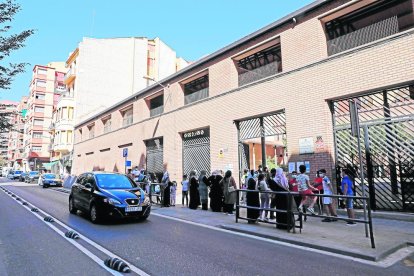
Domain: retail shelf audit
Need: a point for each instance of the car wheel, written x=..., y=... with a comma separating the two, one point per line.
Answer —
x=94, y=214
x=45, y=186
x=72, y=208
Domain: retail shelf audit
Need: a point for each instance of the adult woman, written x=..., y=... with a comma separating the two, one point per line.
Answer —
x=229, y=187
x=252, y=200
x=202, y=189
x=194, y=195
x=216, y=191
x=282, y=185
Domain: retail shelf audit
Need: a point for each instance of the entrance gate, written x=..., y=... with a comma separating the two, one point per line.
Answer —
x=155, y=153
x=387, y=141
x=196, y=151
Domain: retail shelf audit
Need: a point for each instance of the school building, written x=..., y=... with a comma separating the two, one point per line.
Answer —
x=279, y=97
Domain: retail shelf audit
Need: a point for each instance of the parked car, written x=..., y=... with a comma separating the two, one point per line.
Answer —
x=103, y=195
x=22, y=176
x=31, y=177
x=14, y=174
x=50, y=179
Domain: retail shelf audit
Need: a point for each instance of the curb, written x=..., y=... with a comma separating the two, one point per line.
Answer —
x=408, y=217
x=319, y=247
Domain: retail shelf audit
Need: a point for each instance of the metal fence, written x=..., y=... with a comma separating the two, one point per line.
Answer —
x=196, y=96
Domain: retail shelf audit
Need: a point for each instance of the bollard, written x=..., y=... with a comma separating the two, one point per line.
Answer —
x=48, y=219
x=117, y=264
x=72, y=235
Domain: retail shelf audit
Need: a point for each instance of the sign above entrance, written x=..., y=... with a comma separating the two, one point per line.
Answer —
x=306, y=145
x=205, y=132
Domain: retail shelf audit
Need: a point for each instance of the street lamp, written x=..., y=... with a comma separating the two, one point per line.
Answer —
x=157, y=82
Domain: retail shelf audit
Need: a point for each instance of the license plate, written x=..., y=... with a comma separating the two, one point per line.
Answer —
x=133, y=209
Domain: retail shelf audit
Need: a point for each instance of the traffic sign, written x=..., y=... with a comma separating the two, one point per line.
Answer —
x=128, y=163
x=125, y=152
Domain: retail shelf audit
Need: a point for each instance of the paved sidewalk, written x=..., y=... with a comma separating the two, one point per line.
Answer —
x=335, y=237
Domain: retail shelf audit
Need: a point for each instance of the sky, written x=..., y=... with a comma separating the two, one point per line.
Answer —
x=193, y=28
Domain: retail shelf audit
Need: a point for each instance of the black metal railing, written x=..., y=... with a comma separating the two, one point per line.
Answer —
x=364, y=35
x=291, y=212
x=156, y=111
x=196, y=96
x=248, y=76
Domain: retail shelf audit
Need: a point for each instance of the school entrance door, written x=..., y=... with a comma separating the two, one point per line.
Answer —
x=155, y=153
x=196, y=151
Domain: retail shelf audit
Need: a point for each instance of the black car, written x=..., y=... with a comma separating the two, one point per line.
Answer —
x=31, y=177
x=103, y=195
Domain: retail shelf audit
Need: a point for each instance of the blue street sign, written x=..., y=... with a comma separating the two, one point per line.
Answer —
x=125, y=152
x=128, y=163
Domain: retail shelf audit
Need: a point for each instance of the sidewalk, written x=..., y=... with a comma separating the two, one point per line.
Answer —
x=335, y=237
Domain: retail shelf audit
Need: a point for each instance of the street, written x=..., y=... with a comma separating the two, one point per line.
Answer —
x=158, y=246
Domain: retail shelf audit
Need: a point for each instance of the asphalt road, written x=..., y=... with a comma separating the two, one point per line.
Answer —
x=157, y=246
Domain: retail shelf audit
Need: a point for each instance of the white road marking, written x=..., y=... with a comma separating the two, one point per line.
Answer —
x=388, y=261
x=80, y=247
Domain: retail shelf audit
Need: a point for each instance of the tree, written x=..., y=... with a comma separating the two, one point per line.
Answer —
x=10, y=43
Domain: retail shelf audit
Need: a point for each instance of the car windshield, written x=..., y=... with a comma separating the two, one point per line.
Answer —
x=33, y=173
x=114, y=181
x=50, y=176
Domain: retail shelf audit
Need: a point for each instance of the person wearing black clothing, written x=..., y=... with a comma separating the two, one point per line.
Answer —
x=194, y=194
x=166, y=198
x=216, y=192
x=252, y=200
x=278, y=183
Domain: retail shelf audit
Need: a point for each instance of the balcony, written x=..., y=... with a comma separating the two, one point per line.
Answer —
x=196, y=96
x=262, y=72
x=60, y=89
x=63, y=147
x=70, y=76
x=156, y=111
x=66, y=100
x=363, y=36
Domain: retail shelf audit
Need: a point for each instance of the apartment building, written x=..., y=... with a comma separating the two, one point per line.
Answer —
x=7, y=112
x=44, y=92
x=16, y=135
x=101, y=72
x=280, y=96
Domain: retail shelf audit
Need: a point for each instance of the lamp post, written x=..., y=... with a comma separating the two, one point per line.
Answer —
x=157, y=82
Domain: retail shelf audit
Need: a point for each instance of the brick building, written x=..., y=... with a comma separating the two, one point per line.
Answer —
x=279, y=97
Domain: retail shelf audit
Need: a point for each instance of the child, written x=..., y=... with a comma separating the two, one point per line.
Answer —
x=327, y=201
x=184, y=183
x=346, y=187
x=173, y=190
x=305, y=188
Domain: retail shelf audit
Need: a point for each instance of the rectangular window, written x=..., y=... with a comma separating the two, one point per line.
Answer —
x=196, y=90
x=37, y=148
x=107, y=125
x=365, y=22
x=156, y=105
x=37, y=134
x=40, y=96
x=37, y=122
x=42, y=71
x=70, y=115
x=259, y=63
x=39, y=109
x=41, y=83
x=64, y=113
x=70, y=137
x=127, y=117
x=91, y=131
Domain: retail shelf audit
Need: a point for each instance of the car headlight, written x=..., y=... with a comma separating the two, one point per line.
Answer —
x=111, y=201
x=146, y=201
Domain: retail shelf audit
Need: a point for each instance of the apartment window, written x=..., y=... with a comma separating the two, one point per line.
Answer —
x=127, y=117
x=64, y=113
x=40, y=96
x=41, y=83
x=39, y=109
x=91, y=131
x=63, y=137
x=107, y=124
x=70, y=136
x=37, y=148
x=156, y=105
x=365, y=22
x=259, y=63
x=196, y=90
x=42, y=71
x=70, y=113
x=37, y=134
x=37, y=122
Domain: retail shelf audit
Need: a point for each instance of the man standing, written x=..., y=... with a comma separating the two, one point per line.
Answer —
x=346, y=187
x=164, y=182
x=135, y=172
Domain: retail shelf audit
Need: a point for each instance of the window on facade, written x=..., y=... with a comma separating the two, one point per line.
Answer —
x=70, y=113
x=64, y=113
x=41, y=83
x=107, y=124
x=70, y=136
x=37, y=148
x=363, y=22
x=37, y=134
x=127, y=117
x=39, y=109
x=259, y=63
x=40, y=96
x=42, y=71
x=156, y=105
x=91, y=131
x=196, y=90
x=37, y=122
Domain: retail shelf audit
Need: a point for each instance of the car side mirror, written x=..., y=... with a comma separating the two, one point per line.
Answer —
x=88, y=185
